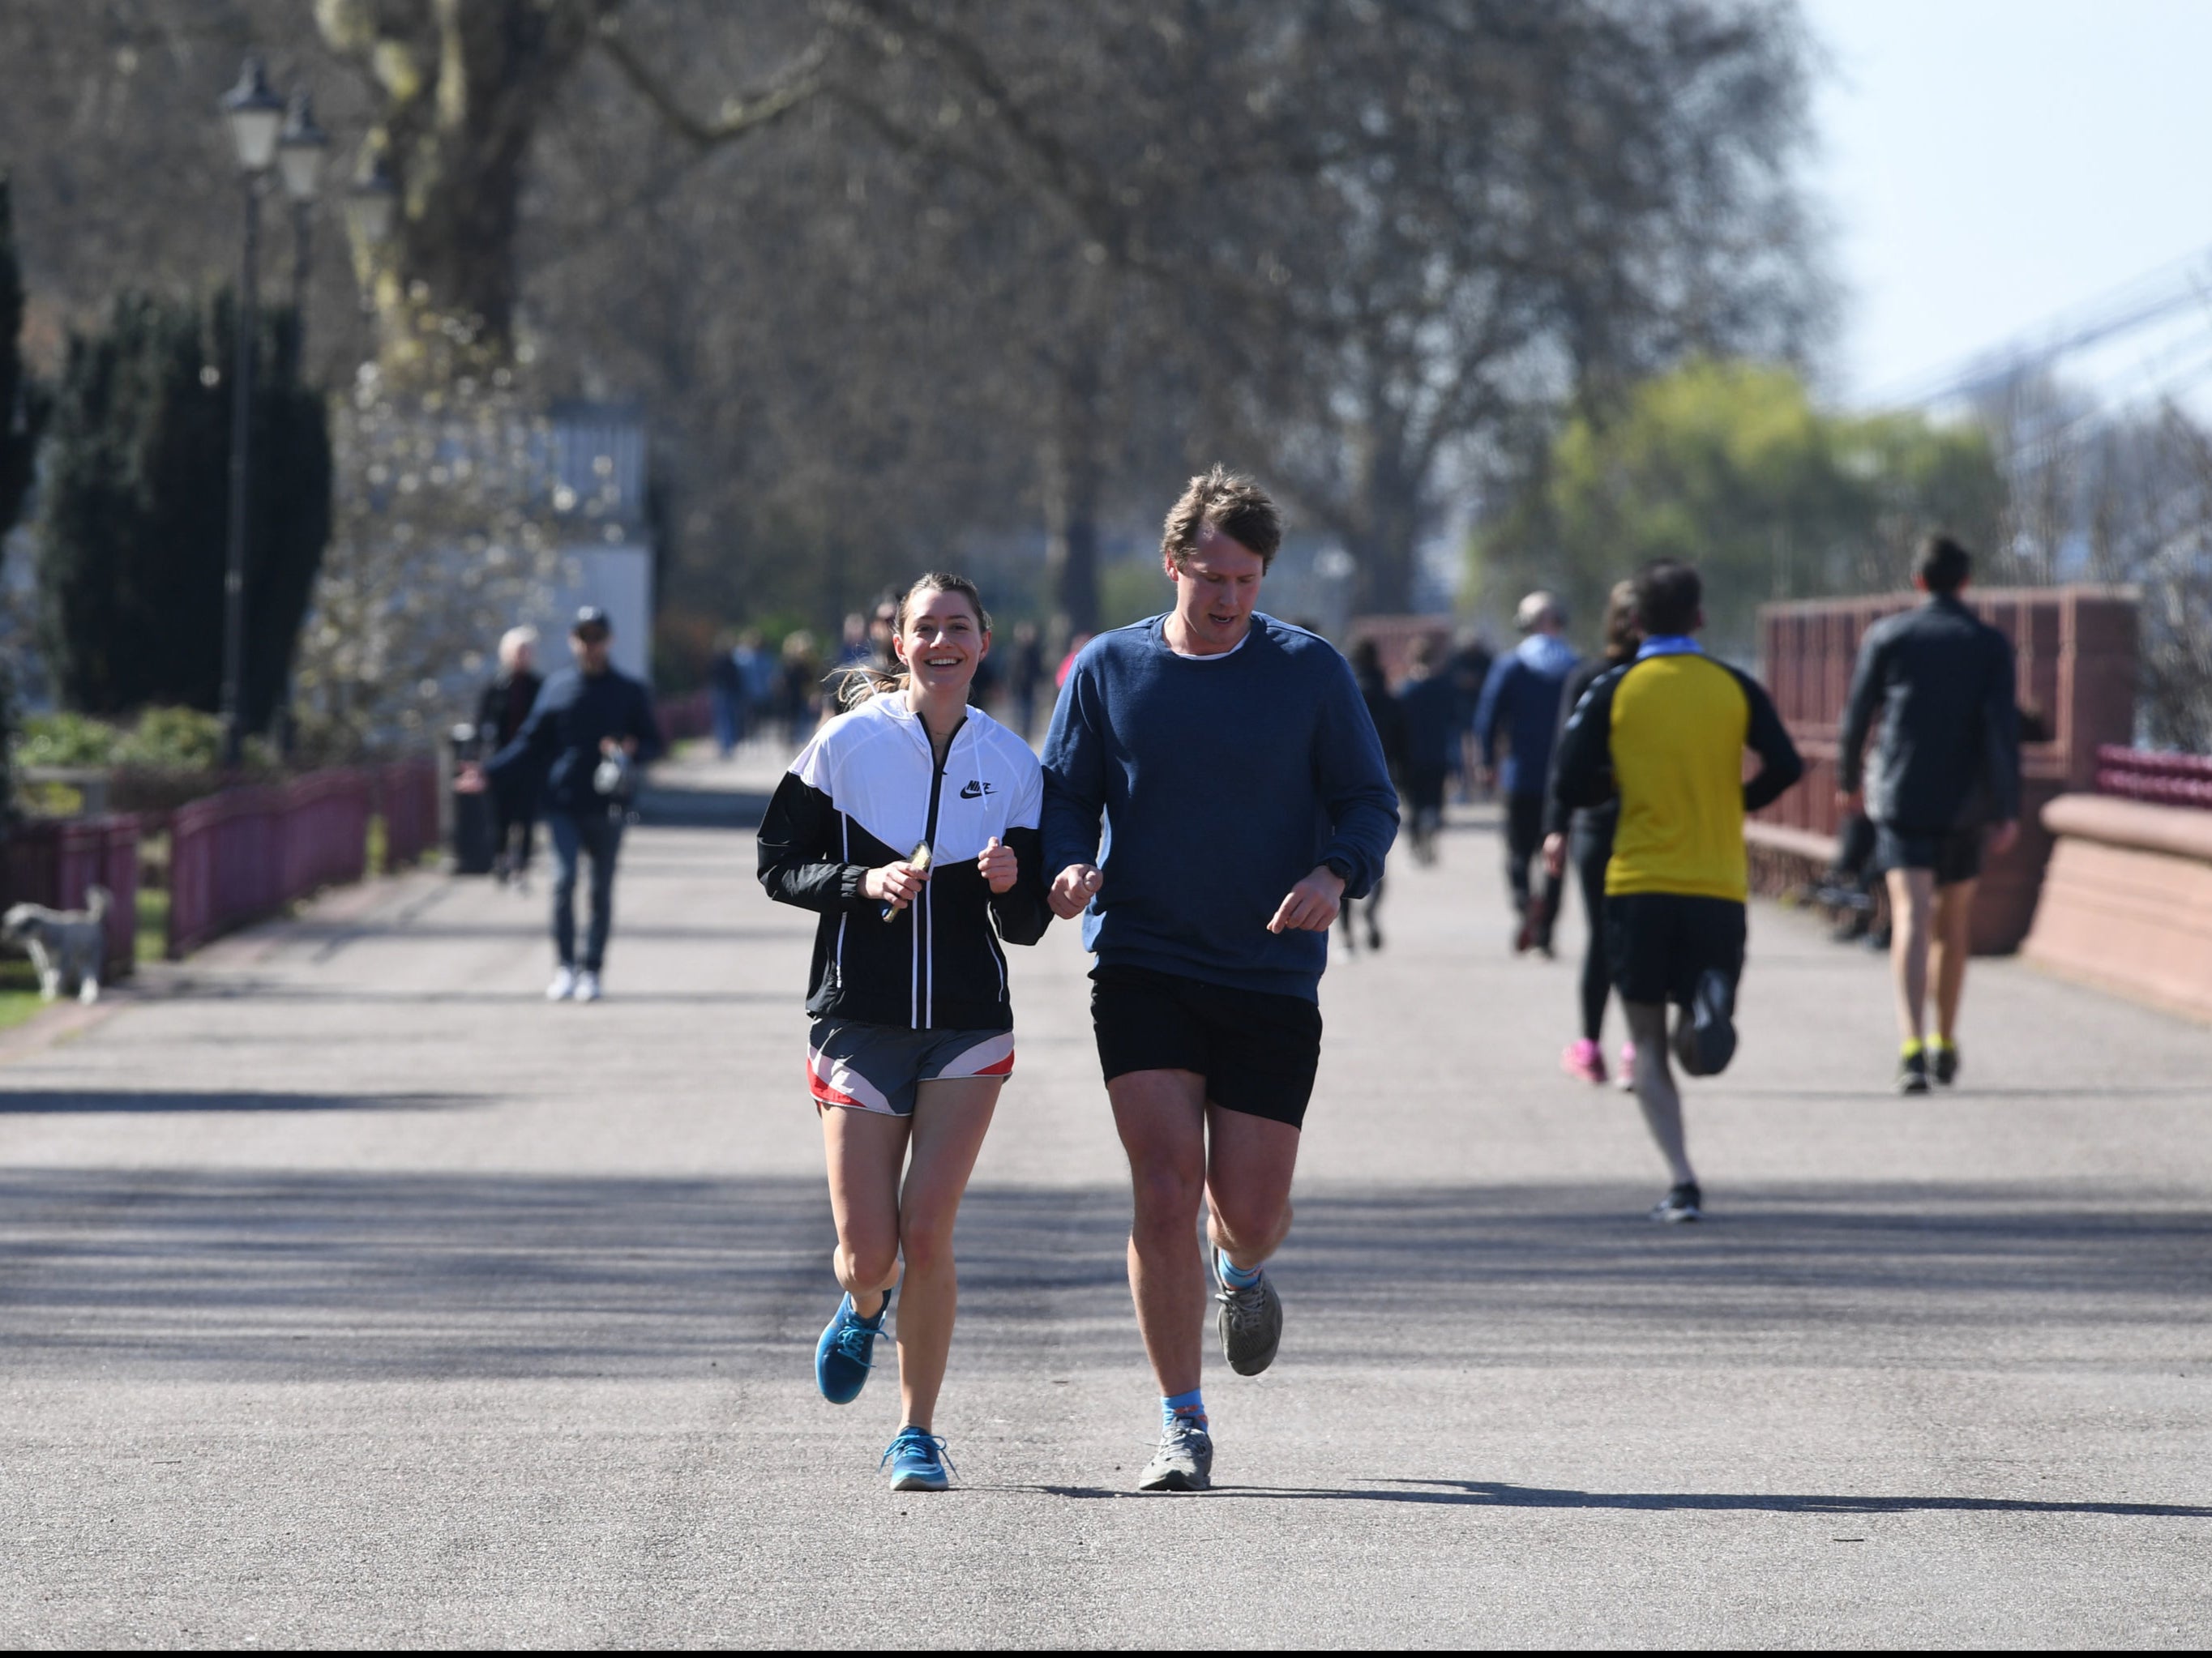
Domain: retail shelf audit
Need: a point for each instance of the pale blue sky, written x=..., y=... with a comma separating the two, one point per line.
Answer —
x=1986, y=164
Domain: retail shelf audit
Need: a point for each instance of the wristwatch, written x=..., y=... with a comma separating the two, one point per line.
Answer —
x=1339, y=868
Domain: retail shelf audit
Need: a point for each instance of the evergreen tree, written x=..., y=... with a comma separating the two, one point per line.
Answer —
x=23, y=400
x=136, y=511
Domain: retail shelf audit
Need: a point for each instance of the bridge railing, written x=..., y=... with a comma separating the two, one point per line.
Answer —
x=2162, y=780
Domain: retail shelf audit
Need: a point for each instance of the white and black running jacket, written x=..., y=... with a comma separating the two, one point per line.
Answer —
x=865, y=793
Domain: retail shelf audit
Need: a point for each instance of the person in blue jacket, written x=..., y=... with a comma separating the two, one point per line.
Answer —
x=1244, y=797
x=1521, y=703
x=590, y=726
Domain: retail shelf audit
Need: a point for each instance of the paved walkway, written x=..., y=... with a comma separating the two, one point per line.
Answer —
x=354, y=1294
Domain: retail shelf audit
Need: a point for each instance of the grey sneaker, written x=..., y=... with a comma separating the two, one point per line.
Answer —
x=1251, y=1326
x=1184, y=1461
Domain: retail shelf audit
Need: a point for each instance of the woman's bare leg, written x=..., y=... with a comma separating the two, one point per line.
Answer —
x=865, y=1150
x=950, y=1122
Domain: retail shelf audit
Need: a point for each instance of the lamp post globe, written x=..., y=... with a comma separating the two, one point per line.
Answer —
x=371, y=203
x=300, y=149
x=256, y=117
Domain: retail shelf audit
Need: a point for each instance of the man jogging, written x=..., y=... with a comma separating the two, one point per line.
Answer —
x=590, y=726
x=1666, y=734
x=1946, y=766
x=1244, y=797
x=1521, y=701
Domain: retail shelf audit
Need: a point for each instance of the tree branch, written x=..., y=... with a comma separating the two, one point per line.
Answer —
x=797, y=82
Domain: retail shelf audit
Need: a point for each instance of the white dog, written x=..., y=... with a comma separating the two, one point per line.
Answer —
x=63, y=943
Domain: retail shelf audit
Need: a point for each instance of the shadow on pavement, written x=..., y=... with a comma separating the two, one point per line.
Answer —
x=299, y=1275
x=38, y=1100
x=1482, y=1493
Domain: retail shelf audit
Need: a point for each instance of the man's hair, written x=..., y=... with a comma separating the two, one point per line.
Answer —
x=1538, y=608
x=1942, y=564
x=1621, y=635
x=1232, y=504
x=1667, y=596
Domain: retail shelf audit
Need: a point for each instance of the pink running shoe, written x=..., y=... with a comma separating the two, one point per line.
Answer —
x=1628, y=1067
x=1583, y=1059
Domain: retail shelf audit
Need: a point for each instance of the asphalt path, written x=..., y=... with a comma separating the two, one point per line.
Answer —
x=350, y=1294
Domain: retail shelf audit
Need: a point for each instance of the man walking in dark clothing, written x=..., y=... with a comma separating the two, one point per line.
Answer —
x=1944, y=776
x=1390, y=731
x=1521, y=702
x=589, y=727
x=1428, y=704
x=505, y=704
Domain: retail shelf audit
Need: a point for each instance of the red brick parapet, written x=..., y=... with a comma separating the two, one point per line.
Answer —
x=2127, y=901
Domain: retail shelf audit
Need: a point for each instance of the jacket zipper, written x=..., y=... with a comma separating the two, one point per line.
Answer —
x=926, y=986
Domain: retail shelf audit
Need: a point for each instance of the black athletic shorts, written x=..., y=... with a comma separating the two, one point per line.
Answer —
x=1955, y=855
x=1258, y=1052
x=1659, y=944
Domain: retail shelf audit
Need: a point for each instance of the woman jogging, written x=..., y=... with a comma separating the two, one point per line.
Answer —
x=910, y=823
x=1587, y=837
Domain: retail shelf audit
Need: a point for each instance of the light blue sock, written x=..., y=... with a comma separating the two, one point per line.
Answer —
x=1233, y=1276
x=1191, y=1407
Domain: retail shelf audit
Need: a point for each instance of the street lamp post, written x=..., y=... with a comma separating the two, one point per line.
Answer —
x=255, y=115
x=300, y=154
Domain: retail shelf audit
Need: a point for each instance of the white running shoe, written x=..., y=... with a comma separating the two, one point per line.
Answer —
x=563, y=985
x=588, y=985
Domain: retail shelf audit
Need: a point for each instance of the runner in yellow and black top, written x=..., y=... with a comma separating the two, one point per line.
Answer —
x=1666, y=733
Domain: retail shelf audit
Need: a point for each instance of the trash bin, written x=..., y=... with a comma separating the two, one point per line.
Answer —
x=469, y=804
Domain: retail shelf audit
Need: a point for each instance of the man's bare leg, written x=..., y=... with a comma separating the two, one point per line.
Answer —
x=1655, y=1088
x=1953, y=941
x=1249, y=1167
x=1911, y=899
x=1161, y=1116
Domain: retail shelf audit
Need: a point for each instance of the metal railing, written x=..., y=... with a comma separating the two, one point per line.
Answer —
x=56, y=862
x=2164, y=780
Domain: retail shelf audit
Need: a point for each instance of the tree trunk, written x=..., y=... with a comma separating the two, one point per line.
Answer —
x=462, y=84
x=1072, y=471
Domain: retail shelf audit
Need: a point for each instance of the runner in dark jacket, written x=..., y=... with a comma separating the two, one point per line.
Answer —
x=1585, y=838
x=1520, y=704
x=1943, y=777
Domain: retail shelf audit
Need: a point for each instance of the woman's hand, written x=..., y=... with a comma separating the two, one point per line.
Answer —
x=896, y=884
x=998, y=866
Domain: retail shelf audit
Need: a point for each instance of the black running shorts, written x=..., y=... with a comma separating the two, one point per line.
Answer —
x=1659, y=944
x=1257, y=1052
x=1954, y=855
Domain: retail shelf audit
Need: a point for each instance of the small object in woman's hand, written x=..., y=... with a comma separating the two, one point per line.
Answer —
x=917, y=861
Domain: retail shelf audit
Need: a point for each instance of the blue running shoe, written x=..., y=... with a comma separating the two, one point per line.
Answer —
x=845, y=1355
x=918, y=1461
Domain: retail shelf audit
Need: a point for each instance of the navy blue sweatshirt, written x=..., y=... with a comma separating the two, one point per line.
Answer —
x=558, y=746
x=1224, y=782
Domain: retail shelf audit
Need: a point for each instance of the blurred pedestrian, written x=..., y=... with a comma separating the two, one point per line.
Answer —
x=856, y=647
x=1520, y=704
x=1075, y=644
x=725, y=692
x=1471, y=663
x=798, y=686
x=1943, y=780
x=592, y=724
x=1584, y=836
x=1390, y=731
x=501, y=709
x=1428, y=704
x=757, y=669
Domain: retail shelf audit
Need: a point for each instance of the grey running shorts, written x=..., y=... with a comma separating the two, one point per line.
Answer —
x=880, y=1067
